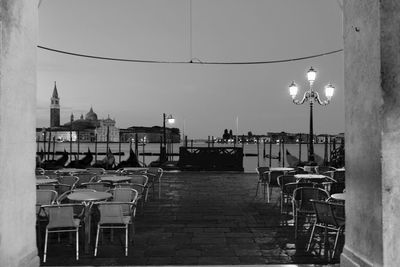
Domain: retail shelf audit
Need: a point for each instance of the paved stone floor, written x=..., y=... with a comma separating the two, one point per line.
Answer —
x=202, y=218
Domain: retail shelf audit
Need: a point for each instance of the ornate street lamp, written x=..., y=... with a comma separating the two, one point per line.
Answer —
x=170, y=120
x=311, y=96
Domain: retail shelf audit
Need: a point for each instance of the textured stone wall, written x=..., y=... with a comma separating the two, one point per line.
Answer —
x=390, y=71
x=18, y=34
x=372, y=75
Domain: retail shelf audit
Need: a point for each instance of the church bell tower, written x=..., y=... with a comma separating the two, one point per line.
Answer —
x=55, y=108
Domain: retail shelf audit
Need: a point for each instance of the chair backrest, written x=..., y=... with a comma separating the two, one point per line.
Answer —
x=154, y=174
x=285, y=179
x=62, y=188
x=51, y=173
x=45, y=197
x=303, y=195
x=139, y=179
x=273, y=177
x=96, y=170
x=99, y=186
x=339, y=176
x=338, y=210
x=112, y=212
x=123, y=194
x=290, y=187
x=69, y=180
x=39, y=171
x=84, y=177
x=336, y=187
x=328, y=212
x=260, y=171
x=62, y=215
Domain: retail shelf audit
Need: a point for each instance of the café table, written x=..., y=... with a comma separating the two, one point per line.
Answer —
x=67, y=171
x=282, y=169
x=46, y=181
x=339, y=196
x=310, y=169
x=115, y=179
x=310, y=176
x=87, y=198
x=139, y=170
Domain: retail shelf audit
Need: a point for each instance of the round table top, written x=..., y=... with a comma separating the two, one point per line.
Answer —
x=46, y=181
x=135, y=169
x=88, y=196
x=339, y=196
x=115, y=179
x=309, y=176
x=283, y=169
x=340, y=169
x=70, y=170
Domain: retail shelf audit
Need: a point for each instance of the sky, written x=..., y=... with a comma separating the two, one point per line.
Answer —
x=204, y=99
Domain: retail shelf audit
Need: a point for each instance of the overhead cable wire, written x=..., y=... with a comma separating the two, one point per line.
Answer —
x=192, y=61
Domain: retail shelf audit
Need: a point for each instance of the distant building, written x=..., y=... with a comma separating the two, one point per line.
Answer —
x=84, y=129
x=108, y=130
x=149, y=134
x=55, y=108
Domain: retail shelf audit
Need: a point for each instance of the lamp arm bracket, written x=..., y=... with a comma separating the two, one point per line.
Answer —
x=299, y=102
x=318, y=99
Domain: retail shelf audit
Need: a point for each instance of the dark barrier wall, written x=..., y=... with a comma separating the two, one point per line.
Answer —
x=211, y=158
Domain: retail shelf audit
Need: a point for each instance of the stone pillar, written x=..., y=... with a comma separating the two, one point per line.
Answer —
x=372, y=93
x=18, y=38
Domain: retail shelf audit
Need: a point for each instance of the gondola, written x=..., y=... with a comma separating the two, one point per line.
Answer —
x=108, y=162
x=132, y=161
x=294, y=161
x=82, y=163
x=55, y=164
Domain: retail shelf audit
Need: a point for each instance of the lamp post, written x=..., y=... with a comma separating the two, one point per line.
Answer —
x=170, y=120
x=311, y=96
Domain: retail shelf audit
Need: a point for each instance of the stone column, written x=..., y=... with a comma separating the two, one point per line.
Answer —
x=372, y=93
x=18, y=37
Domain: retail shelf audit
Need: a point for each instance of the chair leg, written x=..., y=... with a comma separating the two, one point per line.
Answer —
x=268, y=191
x=77, y=243
x=159, y=188
x=282, y=202
x=335, y=244
x=126, y=240
x=309, y=242
x=97, y=240
x=258, y=185
x=45, y=245
x=295, y=227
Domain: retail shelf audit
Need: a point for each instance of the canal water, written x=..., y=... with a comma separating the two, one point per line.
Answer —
x=253, y=153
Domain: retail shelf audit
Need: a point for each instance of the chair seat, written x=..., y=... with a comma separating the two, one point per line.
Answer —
x=125, y=221
x=77, y=223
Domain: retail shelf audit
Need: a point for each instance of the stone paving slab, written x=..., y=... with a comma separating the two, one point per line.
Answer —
x=202, y=218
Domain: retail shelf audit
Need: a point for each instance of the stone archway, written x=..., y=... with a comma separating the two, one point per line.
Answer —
x=18, y=34
x=372, y=83
x=372, y=97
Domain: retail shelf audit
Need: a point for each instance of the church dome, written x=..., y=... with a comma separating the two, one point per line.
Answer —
x=91, y=115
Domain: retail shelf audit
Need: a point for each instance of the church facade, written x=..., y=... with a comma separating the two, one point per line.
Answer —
x=84, y=129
